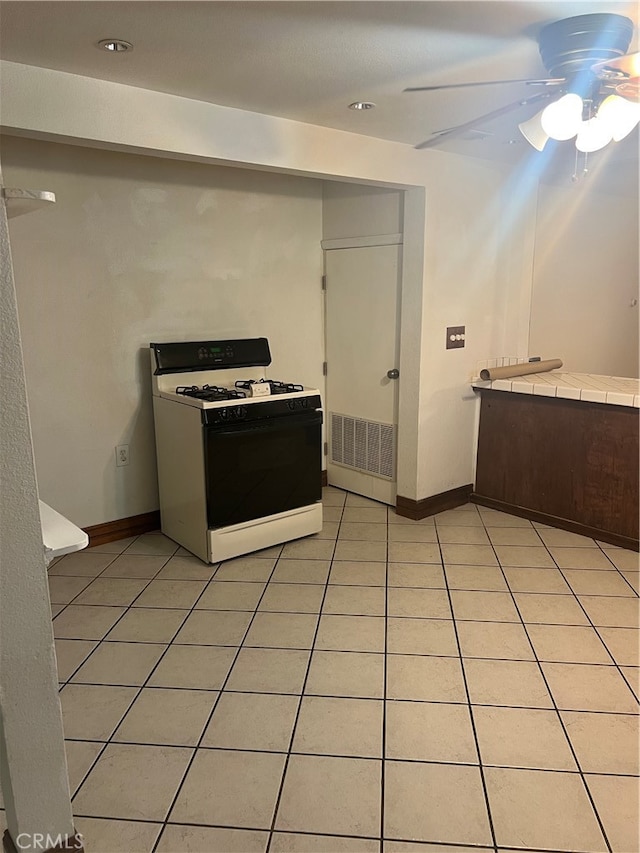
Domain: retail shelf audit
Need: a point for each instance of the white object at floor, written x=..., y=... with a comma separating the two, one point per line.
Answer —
x=59, y=535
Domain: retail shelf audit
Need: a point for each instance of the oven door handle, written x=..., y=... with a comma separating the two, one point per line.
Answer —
x=302, y=419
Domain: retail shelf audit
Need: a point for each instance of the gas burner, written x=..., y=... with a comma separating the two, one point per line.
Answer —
x=284, y=387
x=276, y=387
x=247, y=383
x=210, y=393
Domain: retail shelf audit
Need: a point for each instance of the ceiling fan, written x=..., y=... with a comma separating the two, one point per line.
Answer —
x=592, y=92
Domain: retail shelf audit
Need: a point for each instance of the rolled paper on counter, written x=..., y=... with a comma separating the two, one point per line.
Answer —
x=520, y=369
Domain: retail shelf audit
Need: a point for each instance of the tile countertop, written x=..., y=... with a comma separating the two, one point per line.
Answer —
x=615, y=390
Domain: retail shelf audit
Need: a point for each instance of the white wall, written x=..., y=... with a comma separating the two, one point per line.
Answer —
x=585, y=280
x=444, y=212
x=485, y=225
x=139, y=249
x=353, y=210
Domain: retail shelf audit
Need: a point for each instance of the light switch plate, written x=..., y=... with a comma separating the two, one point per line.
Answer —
x=455, y=337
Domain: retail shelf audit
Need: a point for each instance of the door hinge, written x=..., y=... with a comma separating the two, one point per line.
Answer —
x=324, y=282
x=326, y=448
x=324, y=368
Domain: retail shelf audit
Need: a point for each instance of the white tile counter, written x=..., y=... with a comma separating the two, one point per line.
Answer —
x=615, y=390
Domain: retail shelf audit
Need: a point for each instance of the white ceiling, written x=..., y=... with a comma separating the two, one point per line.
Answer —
x=308, y=60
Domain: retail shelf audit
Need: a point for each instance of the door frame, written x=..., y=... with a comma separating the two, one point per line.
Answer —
x=381, y=489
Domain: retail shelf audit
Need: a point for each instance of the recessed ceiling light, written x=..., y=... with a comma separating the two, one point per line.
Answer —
x=114, y=45
x=362, y=105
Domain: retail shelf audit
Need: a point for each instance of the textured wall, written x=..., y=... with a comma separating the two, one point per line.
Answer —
x=139, y=249
x=33, y=772
x=448, y=212
x=585, y=280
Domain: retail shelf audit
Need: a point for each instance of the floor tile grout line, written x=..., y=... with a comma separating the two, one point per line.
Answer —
x=294, y=832
x=615, y=662
x=595, y=628
x=347, y=755
x=108, y=566
x=559, y=715
x=340, y=585
x=621, y=572
x=215, y=701
x=434, y=844
x=598, y=545
x=68, y=680
x=407, y=619
x=365, y=698
x=374, y=616
x=127, y=609
x=64, y=607
x=327, y=584
x=276, y=806
x=385, y=678
x=613, y=571
x=468, y=703
x=118, y=620
x=138, y=689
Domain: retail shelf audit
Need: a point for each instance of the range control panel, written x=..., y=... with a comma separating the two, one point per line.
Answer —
x=186, y=356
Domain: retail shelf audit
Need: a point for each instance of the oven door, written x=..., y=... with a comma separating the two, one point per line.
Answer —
x=263, y=467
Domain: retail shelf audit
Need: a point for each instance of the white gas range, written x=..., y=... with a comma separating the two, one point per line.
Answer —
x=239, y=455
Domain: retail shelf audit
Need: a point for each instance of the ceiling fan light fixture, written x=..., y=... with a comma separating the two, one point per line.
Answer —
x=533, y=132
x=593, y=135
x=562, y=119
x=619, y=115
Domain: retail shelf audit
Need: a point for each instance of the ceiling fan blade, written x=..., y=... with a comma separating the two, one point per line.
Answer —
x=629, y=89
x=621, y=74
x=551, y=81
x=623, y=66
x=458, y=130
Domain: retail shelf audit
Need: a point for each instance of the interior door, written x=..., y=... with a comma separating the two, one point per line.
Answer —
x=362, y=348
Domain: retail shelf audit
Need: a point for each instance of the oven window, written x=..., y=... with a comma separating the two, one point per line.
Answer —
x=262, y=468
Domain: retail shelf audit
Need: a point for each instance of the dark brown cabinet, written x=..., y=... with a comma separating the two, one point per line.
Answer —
x=569, y=463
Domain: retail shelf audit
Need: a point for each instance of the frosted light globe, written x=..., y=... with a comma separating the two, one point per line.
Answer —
x=593, y=135
x=562, y=119
x=619, y=115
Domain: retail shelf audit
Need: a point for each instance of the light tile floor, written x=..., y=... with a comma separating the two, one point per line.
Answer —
x=465, y=682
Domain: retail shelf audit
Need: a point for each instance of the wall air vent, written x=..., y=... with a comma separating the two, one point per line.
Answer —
x=364, y=445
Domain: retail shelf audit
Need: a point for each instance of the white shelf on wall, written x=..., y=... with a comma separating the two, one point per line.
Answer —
x=59, y=535
x=21, y=201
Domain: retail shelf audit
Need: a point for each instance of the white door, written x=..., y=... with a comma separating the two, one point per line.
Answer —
x=362, y=348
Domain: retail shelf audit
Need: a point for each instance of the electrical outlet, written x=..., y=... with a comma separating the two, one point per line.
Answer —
x=122, y=455
x=455, y=337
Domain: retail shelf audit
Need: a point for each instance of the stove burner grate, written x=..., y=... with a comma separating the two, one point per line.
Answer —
x=276, y=387
x=210, y=393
